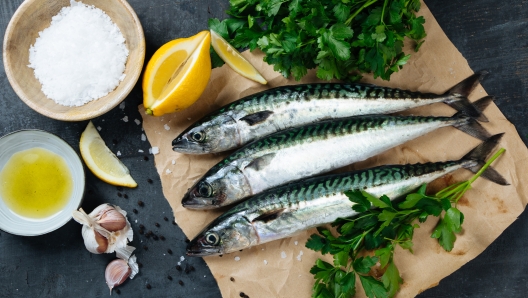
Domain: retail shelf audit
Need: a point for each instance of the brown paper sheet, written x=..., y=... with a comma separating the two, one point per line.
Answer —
x=281, y=268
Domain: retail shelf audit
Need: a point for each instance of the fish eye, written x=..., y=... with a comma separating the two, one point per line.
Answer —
x=212, y=239
x=198, y=136
x=205, y=189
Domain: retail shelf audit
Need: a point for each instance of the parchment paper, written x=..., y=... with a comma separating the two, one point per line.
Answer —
x=281, y=268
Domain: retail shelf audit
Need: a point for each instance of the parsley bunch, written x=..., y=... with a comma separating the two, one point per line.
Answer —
x=364, y=246
x=342, y=38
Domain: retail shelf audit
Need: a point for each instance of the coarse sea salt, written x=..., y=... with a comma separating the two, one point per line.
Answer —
x=80, y=57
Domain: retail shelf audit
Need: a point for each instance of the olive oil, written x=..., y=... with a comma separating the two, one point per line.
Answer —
x=36, y=183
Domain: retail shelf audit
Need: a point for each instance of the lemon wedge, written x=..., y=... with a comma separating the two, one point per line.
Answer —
x=101, y=161
x=177, y=74
x=232, y=57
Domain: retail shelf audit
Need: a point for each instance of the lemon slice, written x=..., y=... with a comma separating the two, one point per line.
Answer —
x=177, y=74
x=232, y=57
x=101, y=161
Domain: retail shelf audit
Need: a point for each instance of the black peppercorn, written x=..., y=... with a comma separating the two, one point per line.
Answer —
x=165, y=218
x=125, y=196
x=145, y=247
x=162, y=238
x=180, y=282
x=141, y=204
x=178, y=267
x=141, y=226
x=135, y=210
x=157, y=225
x=169, y=277
x=232, y=279
x=119, y=194
x=149, y=180
x=149, y=286
x=169, y=251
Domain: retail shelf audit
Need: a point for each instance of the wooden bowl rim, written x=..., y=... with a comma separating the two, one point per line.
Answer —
x=134, y=71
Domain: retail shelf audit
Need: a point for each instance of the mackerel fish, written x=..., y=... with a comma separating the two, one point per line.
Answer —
x=309, y=150
x=280, y=108
x=287, y=210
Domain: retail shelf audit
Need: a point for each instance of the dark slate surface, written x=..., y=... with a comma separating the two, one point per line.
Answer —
x=491, y=35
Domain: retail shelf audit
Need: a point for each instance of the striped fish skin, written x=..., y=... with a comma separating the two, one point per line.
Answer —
x=306, y=151
x=285, y=107
x=287, y=210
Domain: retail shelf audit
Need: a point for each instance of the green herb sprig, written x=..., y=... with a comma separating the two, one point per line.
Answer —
x=342, y=38
x=379, y=230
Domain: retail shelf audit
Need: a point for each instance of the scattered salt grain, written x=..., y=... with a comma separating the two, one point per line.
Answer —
x=182, y=258
x=173, y=162
x=296, y=242
x=125, y=119
x=283, y=254
x=137, y=121
x=80, y=57
x=99, y=128
x=265, y=262
x=154, y=150
x=118, y=153
x=237, y=258
x=300, y=256
x=143, y=137
x=166, y=127
x=168, y=171
x=122, y=105
x=140, y=151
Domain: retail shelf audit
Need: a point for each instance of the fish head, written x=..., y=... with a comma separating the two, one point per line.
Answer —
x=222, y=188
x=224, y=235
x=215, y=135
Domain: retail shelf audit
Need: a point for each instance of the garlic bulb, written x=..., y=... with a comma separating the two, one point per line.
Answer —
x=105, y=230
x=119, y=270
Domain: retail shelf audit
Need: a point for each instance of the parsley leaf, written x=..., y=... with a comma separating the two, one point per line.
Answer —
x=342, y=39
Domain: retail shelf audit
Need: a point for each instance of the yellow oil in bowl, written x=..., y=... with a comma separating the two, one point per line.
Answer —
x=36, y=183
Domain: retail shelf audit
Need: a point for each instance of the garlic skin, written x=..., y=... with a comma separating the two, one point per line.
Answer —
x=119, y=270
x=94, y=230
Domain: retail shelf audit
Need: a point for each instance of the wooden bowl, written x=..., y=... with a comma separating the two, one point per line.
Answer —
x=34, y=16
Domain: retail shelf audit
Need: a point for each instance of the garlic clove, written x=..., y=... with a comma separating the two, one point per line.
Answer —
x=94, y=241
x=112, y=220
x=116, y=273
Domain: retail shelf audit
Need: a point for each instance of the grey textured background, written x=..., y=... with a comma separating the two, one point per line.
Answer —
x=492, y=35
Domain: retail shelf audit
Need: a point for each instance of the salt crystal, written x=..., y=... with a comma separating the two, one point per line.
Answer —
x=122, y=105
x=168, y=171
x=143, y=137
x=125, y=119
x=118, y=153
x=166, y=127
x=265, y=262
x=140, y=151
x=182, y=258
x=80, y=57
x=283, y=255
x=154, y=150
x=237, y=258
x=99, y=128
x=300, y=256
x=296, y=242
x=137, y=121
x=173, y=162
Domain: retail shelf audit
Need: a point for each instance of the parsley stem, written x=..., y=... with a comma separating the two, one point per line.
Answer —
x=383, y=12
x=369, y=3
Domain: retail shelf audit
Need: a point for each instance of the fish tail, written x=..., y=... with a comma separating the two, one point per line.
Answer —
x=478, y=157
x=480, y=104
x=472, y=128
x=457, y=97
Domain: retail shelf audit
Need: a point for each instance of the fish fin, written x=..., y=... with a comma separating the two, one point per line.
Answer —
x=261, y=162
x=457, y=96
x=479, y=155
x=269, y=216
x=480, y=105
x=472, y=128
x=256, y=118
